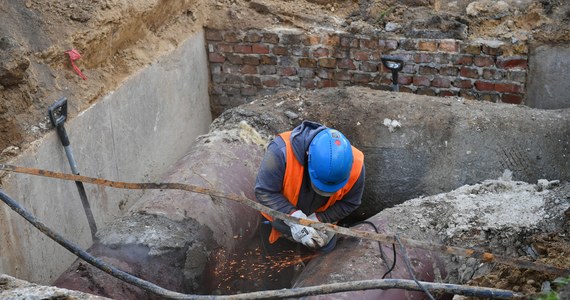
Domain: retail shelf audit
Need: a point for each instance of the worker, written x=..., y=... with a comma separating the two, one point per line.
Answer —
x=311, y=172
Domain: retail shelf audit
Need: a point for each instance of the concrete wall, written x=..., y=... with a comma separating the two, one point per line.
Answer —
x=134, y=134
x=549, y=77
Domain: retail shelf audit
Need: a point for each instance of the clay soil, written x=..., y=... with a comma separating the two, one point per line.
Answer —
x=117, y=38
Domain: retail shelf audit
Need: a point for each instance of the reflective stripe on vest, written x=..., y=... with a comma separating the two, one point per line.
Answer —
x=293, y=179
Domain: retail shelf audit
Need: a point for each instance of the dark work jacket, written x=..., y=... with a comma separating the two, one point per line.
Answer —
x=269, y=181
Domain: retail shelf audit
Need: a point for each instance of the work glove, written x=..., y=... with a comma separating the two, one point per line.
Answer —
x=305, y=235
x=325, y=235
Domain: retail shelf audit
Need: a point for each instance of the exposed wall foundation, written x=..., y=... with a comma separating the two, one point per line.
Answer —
x=244, y=64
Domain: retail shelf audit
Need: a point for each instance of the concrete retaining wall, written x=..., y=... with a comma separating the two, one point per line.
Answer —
x=134, y=134
x=549, y=76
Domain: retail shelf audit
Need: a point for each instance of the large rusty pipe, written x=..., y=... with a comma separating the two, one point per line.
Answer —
x=440, y=145
x=357, y=259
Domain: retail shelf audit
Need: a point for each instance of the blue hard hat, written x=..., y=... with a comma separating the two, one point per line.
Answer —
x=330, y=160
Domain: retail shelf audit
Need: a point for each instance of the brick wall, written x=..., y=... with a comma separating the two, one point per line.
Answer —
x=248, y=63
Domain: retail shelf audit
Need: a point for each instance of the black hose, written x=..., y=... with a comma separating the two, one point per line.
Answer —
x=390, y=269
x=409, y=266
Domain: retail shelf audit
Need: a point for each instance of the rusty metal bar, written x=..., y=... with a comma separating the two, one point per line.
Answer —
x=475, y=253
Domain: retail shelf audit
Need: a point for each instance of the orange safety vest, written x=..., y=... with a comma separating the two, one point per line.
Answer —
x=293, y=179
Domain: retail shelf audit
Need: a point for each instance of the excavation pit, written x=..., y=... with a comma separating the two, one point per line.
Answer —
x=436, y=146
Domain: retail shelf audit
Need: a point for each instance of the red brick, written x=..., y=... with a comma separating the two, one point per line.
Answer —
x=474, y=49
x=342, y=75
x=368, y=43
x=360, y=55
x=427, y=46
x=388, y=44
x=493, y=74
x=287, y=71
x=367, y=66
x=405, y=89
x=427, y=70
x=341, y=53
x=307, y=63
x=421, y=81
x=465, y=60
x=222, y=47
x=405, y=79
x=328, y=83
x=270, y=38
x=272, y=82
x=440, y=82
x=447, y=93
x=277, y=50
x=449, y=46
x=508, y=88
x=259, y=49
x=248, y=69
x=216, y=58
x=423, y=58
x=346, y=64
x=242, y=49
x=234, y=59
x=463, y=84
x=484, y=85
x=449, y=71
x=484, y=61
x=268, y=60
x=311, y=40
x=253, y=37
x=469, y=72
x=511, y=98
x=251, y=60
x=361, y=78
x=231, y=37
x=512, y=62
x=321, y=52
x=327, y=62
x=213, y=35
x=331, y=40
x=309, y=84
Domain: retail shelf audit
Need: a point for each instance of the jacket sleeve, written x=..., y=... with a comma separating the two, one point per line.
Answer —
x=269, y=180
x=349, y=203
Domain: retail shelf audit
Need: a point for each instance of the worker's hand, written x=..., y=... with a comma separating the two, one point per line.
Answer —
x=305, y=235
x=325, y=235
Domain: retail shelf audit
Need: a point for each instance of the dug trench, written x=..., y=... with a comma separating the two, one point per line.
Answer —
x=474, y=178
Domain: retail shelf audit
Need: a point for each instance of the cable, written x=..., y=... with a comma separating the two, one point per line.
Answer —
x=409, y=266
x=390, y=269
